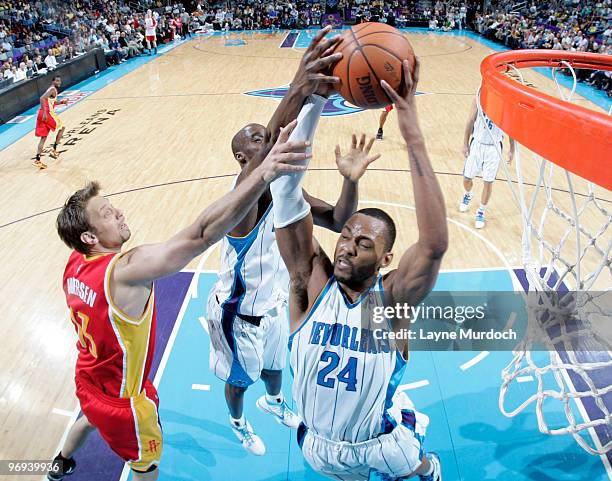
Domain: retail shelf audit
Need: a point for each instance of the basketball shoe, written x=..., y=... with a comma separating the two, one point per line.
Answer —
x=480, y=219
x=465, y=203
x=39, y=163
x=250, y=441
x=66, y=466
x=379, y=134
x=281, y=412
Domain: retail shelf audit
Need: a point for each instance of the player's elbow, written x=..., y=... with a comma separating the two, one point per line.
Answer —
x=435, y=248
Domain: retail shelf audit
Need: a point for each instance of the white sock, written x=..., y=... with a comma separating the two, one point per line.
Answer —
x=468, y=192
x=483, y=207
x=238, y=422
x=275, y=399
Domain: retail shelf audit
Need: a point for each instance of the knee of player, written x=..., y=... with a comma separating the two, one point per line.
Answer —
x=236, y=390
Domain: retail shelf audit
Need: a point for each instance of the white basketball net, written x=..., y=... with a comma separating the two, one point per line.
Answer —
x=578, y=260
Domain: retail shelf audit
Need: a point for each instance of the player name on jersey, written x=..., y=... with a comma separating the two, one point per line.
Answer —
x=349, y=338
x=81, y=290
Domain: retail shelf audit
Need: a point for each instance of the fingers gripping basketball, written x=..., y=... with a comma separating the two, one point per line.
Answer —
x=371, y=52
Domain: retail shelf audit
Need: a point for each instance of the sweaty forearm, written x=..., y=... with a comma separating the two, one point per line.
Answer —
x=429, y=201
x=287, y=110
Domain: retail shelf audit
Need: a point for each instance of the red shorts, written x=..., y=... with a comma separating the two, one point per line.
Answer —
x=43, y=128
x=150, y=38
x=130, y=426
x=389, y=108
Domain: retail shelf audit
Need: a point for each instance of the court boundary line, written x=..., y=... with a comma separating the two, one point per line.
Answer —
x=221, y=176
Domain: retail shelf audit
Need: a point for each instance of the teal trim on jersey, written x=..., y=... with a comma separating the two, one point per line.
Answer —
x=396, y=377
x=320, y=298
x=361, y=297
x=240, y=243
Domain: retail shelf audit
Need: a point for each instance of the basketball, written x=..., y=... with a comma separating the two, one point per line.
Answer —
x=371, y=52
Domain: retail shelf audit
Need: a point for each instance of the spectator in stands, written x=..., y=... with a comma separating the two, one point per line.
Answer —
x=6, y=46
x=12, y=73
x=31, y=70
x=112, y=58
x=6, y=70
x=115, y=46
x=50, y=60
x=125, y=46
x=20, y=73
x=41, y=67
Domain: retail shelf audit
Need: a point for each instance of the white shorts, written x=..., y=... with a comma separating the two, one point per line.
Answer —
x=240, y=350
x=395, y=454
x=483, y=158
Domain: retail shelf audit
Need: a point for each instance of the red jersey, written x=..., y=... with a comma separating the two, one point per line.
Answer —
x=115, y=350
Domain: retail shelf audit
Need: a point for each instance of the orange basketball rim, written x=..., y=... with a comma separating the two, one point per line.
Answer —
x=574, y=137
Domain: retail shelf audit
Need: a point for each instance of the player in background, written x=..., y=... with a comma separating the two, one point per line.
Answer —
x=482, y=148
x=246, y=307
x=111, y=298
x=383, y=118
x=344, y=378
x=150, y=35
x=48, y=121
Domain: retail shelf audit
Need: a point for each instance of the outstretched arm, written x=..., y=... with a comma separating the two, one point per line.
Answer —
x=308, y=78
x=419, y=265
x=351, y=166
x=293, y=223
x=142, y=265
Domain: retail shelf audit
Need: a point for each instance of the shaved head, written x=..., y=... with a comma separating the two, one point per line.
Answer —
x=247, y=142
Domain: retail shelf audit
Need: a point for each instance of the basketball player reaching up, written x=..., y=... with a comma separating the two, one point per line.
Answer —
x=344, y=379
x=482, y=150
x=111, y=299
x=246, y=307
x=48, y=121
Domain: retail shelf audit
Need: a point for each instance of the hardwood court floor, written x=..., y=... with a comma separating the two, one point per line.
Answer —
x=164, y=153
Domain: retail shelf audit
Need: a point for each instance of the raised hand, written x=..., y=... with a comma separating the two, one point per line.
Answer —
x=405, y=102
x=353, y=165
x=284, y=156
x=318, y=60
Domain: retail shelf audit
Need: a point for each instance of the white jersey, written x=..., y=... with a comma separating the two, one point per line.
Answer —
x=248, y=282
x=344, y=378
x=150, y=25
x=484, y=130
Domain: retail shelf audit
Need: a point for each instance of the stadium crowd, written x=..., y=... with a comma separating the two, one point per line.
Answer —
x=37, y=35
x=577, y=26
